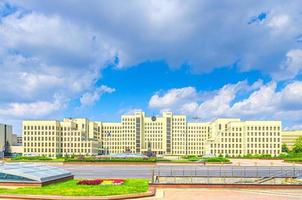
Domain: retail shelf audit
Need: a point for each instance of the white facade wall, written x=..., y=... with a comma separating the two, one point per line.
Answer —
x=163, y=135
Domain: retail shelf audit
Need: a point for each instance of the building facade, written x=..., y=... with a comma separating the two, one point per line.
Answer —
x=6, y=135
x=59, y=138
x=164, y=135
x=19, y=141
x=289, y=138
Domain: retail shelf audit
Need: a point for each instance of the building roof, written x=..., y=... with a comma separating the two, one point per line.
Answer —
x=28, y=172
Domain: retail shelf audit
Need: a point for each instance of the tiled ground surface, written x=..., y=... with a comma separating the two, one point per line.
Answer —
x=225, y=194
x=258, y=162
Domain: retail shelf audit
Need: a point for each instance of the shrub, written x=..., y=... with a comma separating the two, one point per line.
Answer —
x=194, y=159
x=298, y=145
x=256, y=156
x=191, y=157
x=217, y=159
x=264, y=156
x=285, y=148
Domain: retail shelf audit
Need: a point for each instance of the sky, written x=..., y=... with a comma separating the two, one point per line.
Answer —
x=102, y=58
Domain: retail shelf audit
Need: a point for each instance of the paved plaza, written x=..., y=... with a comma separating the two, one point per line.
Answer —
x=225, y=194
x=261, y=162
x=244, y=167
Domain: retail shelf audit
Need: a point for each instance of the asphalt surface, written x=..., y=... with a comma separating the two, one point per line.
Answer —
x=144, y=171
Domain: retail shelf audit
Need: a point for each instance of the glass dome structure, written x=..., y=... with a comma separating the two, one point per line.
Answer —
x=31, y=173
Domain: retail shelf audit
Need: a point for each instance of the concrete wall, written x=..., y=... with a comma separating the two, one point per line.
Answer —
x=17, y=149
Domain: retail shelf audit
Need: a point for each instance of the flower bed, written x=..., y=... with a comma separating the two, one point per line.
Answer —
x=72, y=188
x=101, y=182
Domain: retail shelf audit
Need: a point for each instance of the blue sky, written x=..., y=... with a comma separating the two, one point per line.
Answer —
x=101, y=59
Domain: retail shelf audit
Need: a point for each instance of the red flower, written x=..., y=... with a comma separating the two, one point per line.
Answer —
x=90, y=182
x=99, y=181
x=118, y=181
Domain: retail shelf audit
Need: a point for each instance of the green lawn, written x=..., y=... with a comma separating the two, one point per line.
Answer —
x=70, y=188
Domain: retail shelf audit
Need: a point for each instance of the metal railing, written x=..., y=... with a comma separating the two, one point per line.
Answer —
x=229, y=172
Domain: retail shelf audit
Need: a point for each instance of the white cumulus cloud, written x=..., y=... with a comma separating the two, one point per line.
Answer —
x=90, y=98
x=291, y=67
x=32, y=109
x=173, y=97
x=262, y=102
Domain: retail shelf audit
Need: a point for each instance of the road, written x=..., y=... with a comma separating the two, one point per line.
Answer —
x=145, y=171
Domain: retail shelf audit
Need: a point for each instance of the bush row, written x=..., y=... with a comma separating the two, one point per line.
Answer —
x=217, y=159
x=31, y=158
x=268, y=156
x=108, y=159
x=91, y=159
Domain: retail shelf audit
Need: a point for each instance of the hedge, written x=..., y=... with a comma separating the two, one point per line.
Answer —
x=31, y=158
x=217, y=159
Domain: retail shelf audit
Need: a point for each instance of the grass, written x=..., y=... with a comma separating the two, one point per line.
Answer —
x=192, y=158
x=297, y=159
x=292, y=157
x=70, y=188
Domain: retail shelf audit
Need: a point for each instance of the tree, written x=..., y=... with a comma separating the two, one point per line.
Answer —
x=298, y=145
x=285, y=148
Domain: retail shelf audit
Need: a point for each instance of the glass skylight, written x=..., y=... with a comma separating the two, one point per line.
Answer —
x=21, y=172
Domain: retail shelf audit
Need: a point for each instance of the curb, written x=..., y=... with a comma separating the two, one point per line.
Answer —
x=150, y=193
x=110, y=163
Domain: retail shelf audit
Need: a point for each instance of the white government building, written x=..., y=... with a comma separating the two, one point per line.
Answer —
x=165, y=135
